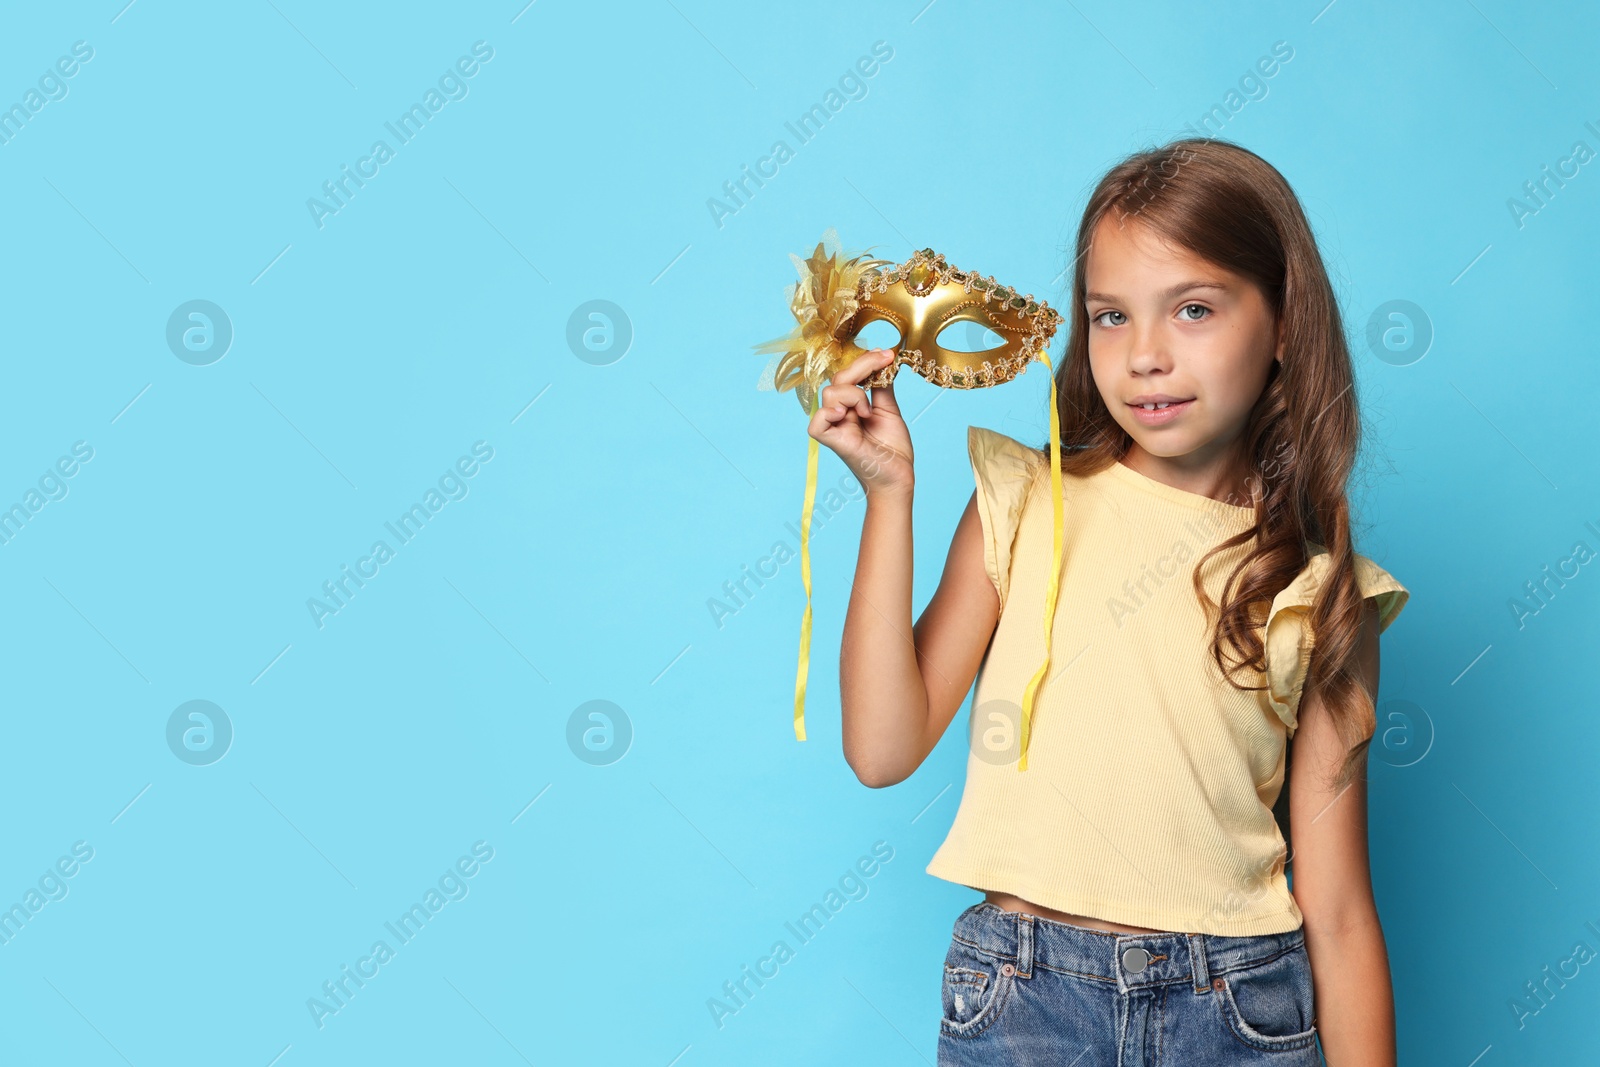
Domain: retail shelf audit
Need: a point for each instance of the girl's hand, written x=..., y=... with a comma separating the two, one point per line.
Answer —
x=870, y=436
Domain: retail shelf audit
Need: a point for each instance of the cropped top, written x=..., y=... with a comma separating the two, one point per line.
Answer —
x=1148, y=795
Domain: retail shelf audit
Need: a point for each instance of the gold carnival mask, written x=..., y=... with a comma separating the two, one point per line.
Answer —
x=835, y=298
x=925, y=295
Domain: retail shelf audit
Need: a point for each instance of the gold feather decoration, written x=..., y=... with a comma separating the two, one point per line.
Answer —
x=823, y=301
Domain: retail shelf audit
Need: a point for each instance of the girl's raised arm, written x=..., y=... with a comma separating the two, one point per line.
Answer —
x=899, y=685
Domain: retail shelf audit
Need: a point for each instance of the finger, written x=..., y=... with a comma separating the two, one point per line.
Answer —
x=826, y=418
x=875, y=360
x=851, y=396
x=883, y=395
x=883, y=399
x=863, y=365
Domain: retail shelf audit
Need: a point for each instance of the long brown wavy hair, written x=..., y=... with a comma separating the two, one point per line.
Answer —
x=1226, y=204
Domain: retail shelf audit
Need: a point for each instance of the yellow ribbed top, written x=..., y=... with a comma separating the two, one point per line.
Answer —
x=1148, y=793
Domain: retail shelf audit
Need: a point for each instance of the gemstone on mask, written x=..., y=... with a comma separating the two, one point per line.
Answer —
x=921, y=279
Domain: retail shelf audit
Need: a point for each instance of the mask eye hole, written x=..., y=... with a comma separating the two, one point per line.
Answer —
x=878, y=334
x=969, y=336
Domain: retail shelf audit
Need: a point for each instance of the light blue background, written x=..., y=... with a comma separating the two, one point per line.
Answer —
x=432, y=311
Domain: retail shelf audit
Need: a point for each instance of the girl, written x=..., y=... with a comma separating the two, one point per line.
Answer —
x=1136, y=903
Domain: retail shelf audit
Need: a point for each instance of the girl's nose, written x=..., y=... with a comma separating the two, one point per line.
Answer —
x=1147, y=351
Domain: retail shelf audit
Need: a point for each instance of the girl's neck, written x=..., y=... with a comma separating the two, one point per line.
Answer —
x=1210, y=473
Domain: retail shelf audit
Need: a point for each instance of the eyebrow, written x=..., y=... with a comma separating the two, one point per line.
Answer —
x=1165, y=294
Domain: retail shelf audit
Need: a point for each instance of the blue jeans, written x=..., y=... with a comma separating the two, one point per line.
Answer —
x=1024, y=990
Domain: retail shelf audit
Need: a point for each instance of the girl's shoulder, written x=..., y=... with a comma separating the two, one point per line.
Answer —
x=999, y=458
x=1006, y=473
x=1373, y=581
x=1004, y=470
x=1003, y=460
x=1289, y=639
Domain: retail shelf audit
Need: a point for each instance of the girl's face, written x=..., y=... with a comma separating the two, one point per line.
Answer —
x=1166, y=325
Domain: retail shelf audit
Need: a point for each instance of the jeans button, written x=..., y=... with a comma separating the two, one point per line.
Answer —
x=1008, y=970
x=1135, y=959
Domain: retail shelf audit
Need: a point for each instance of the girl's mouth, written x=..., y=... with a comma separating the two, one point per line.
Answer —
x=1158, y=414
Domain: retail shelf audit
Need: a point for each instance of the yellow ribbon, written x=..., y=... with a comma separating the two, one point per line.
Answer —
x=805, y=578
x=1055, y=561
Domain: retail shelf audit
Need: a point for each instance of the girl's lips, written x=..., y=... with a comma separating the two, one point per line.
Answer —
x=1158, y=416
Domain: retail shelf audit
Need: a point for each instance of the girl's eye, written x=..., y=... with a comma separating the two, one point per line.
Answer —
x=1096, y=318
x=1186, y=307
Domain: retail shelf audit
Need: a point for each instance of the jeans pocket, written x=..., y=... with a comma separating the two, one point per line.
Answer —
x=1270, y=1005
x=963, y=993
x=975, y=988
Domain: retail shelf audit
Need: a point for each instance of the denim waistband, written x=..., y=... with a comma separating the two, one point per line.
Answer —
x=1026, y=940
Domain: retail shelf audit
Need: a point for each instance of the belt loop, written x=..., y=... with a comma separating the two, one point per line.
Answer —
x=1025, y=931
x=1197, y=958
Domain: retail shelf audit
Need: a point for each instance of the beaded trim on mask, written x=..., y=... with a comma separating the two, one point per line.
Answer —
x=927, y=268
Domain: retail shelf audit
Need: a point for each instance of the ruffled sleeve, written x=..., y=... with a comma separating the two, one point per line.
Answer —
x=1003, y=469
x=1288, y=636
